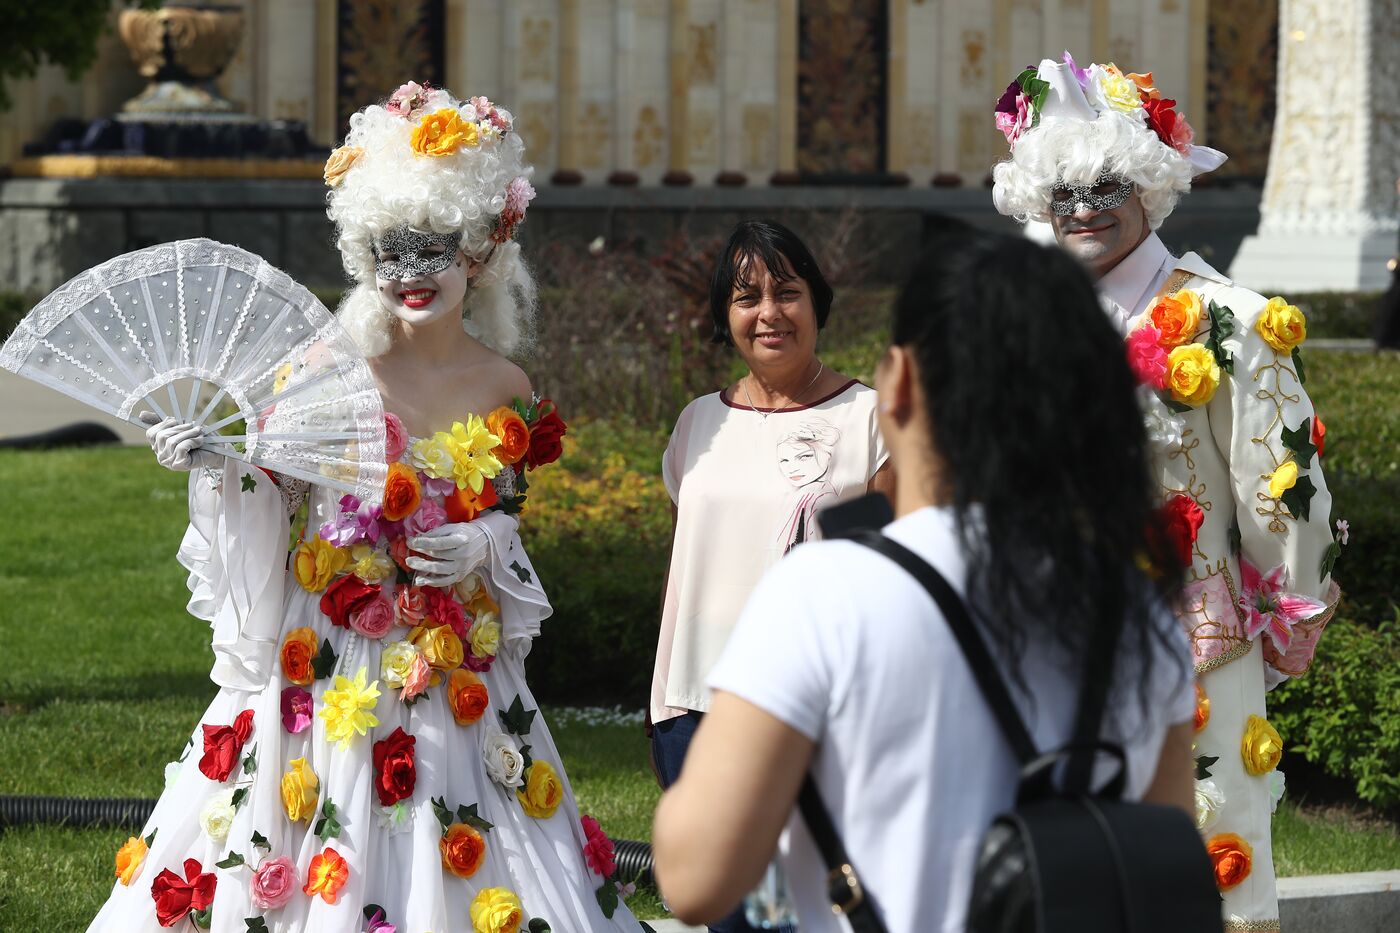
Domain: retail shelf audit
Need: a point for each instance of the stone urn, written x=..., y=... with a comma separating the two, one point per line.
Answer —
x=181, y=48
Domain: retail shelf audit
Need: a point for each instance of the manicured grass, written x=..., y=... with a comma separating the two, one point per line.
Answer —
x=1326, y=840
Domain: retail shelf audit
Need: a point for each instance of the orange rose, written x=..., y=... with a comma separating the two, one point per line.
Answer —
x=467, y=696
x=463, y=505
x=463, y=850
x=402, y=494
x=130, y=858
x=482, y=603
x=1145, y=85
x=442, y=132
x=506, y=424
x=297, y=651
x=1176, y=317
x=1233, y=858
x=1202, y=708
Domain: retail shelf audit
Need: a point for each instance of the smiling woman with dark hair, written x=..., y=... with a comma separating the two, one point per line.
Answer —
x=749, y=467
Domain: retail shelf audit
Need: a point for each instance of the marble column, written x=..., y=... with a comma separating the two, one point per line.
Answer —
x=1328, y=217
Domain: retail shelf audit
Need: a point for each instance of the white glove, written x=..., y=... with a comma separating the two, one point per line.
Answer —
x=176, y=443
x=453, y=551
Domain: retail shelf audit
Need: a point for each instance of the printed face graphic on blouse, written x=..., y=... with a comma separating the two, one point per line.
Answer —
x=805, y=458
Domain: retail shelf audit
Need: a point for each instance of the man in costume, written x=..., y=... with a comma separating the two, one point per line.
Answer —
x=1103, y=158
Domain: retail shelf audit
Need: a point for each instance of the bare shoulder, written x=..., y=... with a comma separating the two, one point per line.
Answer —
x=508, y=382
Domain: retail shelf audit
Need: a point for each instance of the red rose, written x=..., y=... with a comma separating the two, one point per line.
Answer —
x=1319, y=434
x=1180, y=520
x=222, y=747
x=1170, y=126
x=347, y=595
x=394, y=771
x=175, y=897
x=598, y=850
x=545, y=434
x=441, y=609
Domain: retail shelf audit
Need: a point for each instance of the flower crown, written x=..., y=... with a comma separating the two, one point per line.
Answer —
x=477, y=123
x=1100, y=89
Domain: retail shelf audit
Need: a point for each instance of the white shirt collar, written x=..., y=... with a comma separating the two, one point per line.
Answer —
x=1135, y=280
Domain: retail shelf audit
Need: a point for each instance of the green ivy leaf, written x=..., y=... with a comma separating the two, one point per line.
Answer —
x=520, y=571
x=526, y=757
x=249, y=484
x=539, y=925
x=1329, y=559
x=1203, y=766
x=324, y=663
x=1298, y=367
x=1178, y=407
x=1233, y=535
x=250, y=761
x=202, y=918
x=256, y=924
x=1299, y=440
x=239, y=796
x=1222, y=325
x=151, y=839
x=510, y=505
x=233, y=860
x=521, y=483
x=607, y=898
x=1298, y=500
x=517, y=719
x=260, y=841
x=328, y=827
x=469, y=816
x=441, y=811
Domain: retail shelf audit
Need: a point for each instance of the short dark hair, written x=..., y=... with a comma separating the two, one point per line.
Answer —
x=780, y=250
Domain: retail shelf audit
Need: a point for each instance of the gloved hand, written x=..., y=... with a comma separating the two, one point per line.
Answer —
x=453, y=551
x=176, y=443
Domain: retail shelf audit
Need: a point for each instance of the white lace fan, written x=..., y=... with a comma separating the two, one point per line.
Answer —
x=194, y=328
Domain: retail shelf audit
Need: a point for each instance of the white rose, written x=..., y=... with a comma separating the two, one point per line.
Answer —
x=1164, y=427
x=1209, y=801
x=395, y=662
x=396, y=818
x=485, y=636
x=465, y=588
x=1276, y=787
x=217, y=815
x=504, y=763
x=172, y=773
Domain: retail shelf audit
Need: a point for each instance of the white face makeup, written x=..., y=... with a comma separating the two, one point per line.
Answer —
x=420, y=277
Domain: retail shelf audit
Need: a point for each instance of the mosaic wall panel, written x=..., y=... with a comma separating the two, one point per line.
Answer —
x=1241, y=85
x=380, y=44
x=841, y=87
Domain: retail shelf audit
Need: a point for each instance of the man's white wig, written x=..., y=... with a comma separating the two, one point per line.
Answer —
x=439, y=164
x=1067, y=125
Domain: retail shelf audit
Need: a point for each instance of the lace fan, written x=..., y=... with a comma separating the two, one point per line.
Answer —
x=209, y=333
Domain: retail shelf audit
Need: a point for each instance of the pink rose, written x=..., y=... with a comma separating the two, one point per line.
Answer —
x=417, y=680
x=430, y=514
x=407, y=99
x=1146, y=356
x=373, y=620
x=395, y=437
x=296, y=709
x=598, y=850
x=411, y=606
x=477, y=665
x=274, y=882
x=1012, y=125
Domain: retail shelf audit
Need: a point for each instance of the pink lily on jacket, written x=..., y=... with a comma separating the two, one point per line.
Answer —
x=1269, y=608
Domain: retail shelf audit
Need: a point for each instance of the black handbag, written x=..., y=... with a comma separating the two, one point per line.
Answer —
x=1066, y=857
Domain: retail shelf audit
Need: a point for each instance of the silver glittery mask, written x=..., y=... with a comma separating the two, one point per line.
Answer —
x=404, y=253
x=1107, y=192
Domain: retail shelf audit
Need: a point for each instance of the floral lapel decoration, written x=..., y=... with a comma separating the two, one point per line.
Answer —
x=1171, y=354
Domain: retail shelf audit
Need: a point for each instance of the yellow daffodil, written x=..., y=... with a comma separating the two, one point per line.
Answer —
x=346, y=708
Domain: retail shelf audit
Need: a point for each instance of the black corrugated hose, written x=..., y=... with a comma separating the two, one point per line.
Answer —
x=633, y=857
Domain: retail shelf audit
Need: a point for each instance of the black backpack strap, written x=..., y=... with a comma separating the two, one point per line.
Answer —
x=843, y=886
x=979, y=659
x=1093, y=698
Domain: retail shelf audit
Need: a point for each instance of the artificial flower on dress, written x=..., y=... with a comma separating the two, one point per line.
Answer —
x=1269, y=608
x=1232, y=857
x=223, y=746
x=326, y=875
x=496, y=910
x=347, y=708
x=131, y=857
x=1261, y=747
x=176, y=897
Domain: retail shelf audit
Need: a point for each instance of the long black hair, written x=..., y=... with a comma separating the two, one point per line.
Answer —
x=1031, y=407
x=782, y=252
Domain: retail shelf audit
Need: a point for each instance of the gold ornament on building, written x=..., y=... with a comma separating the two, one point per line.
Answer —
x=181, y=48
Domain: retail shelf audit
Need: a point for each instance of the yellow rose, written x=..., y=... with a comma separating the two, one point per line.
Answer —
x=433, y=455
x=339, y=163
x=299, y=788
x=1261, y=748
x=1192, y=374
x=486, y=636
x=441, y=647
x=1117, y=91
x=316, y=562
x=542, y=792
x=130, y=857
x=1282, y=325
x=496, y=910
x=442, y=132
x=396, y=663
x=371, y=564
x=1283, y=479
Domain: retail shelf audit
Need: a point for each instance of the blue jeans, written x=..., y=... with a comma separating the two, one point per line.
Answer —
x=669, y=741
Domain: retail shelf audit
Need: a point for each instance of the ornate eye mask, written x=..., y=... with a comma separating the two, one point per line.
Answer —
x=1107, y=192
x=405, y=253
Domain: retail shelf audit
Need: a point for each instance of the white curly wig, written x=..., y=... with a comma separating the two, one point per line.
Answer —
x=1074, y=152
x=388, y=184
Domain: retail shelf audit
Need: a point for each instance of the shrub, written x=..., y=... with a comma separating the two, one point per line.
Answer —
x=1344, y=714
x=1337, y=315
x=13, y=307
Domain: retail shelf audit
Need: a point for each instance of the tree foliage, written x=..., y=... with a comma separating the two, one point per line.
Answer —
x=58, y=32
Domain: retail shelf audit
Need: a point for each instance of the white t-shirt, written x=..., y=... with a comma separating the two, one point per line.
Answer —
x=747, y=489
x=847, y=648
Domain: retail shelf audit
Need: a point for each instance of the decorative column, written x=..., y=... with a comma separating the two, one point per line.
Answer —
x=567, y=173
x=787, y=94
x=678, y=109
x=1328, y=218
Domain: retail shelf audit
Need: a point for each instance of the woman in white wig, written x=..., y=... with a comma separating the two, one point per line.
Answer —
x=380, y=763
